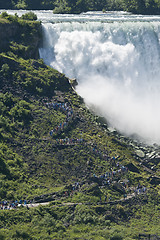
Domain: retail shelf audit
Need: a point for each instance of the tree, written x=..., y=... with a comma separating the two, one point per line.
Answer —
x=5, y=70
x=29, y=16
x=141, y=7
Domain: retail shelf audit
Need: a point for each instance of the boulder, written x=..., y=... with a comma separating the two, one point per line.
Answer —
x=140, y=153
x=118, y=187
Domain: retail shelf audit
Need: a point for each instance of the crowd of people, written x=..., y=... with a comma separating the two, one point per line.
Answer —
x=139, y=189
x=108, y=177
x=7, y=205
x=110, y=174
x=66, y=109
x=103, y=154
x=69, y=141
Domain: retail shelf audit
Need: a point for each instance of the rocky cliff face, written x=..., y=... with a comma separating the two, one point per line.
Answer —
x=17, y=37
x=8, y=31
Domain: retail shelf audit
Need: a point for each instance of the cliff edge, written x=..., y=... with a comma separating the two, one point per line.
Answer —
x=17, y=35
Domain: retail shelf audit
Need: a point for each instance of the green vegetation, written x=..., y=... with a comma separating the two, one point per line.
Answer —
x=81, y=221
x=35, y=166
x=78, y=6
x=19, y=32
x=134, y=6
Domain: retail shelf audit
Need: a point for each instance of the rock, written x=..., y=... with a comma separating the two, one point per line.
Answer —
x=140, y=153
x=110, y=129
x=118, y=187
x=73, y=82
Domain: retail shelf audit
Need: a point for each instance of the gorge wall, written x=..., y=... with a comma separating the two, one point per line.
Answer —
x=17, y=36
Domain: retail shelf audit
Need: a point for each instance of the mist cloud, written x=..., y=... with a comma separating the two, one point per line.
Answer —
x=118, y=71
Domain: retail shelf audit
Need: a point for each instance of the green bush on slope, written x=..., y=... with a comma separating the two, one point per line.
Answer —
x=34, y=166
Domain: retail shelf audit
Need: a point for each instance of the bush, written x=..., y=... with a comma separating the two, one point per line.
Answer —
x=21, y=111
x=29, y=16
x=116, y=237
x=2, y=236
x=5, y=70
x=4, y=15
x=21, y=234
x=11, y=18
x=7, y=99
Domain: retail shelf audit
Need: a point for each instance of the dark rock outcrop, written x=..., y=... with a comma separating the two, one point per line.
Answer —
x=154, y=180
x=17, y=37
x=132, y=167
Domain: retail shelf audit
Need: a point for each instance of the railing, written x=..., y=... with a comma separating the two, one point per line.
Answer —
x=148, y=236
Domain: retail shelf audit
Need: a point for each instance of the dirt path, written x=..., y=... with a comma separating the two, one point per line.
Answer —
x=129, y=196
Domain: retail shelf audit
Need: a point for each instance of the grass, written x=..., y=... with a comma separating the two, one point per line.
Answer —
x=33, y=166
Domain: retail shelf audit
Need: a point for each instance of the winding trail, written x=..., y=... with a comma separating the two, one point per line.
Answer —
x=129, y=196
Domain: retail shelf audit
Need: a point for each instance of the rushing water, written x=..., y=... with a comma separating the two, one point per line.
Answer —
x=115, y=58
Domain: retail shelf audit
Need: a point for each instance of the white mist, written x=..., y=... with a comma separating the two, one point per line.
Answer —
x=117, y=66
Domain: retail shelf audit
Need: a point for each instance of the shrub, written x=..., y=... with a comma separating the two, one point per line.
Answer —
x=21, y=111
x=29, y=16
x=7, y=99
x=21, y=234
x=5, y=70
x=4, y=15
x=116, y=237
x=2, y=236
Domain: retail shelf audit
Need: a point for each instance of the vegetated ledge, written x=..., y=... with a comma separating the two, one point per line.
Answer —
x=21, y=37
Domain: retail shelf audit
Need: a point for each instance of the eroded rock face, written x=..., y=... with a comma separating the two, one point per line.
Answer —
x=8, y=31
x=17, y=37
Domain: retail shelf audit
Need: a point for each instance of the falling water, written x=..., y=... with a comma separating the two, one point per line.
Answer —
x=115, y=58
x=117, y=66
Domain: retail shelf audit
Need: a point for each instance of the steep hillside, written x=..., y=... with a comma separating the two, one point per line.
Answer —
x=52, y=148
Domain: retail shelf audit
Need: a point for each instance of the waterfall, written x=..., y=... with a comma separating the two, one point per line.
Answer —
x=117, y=66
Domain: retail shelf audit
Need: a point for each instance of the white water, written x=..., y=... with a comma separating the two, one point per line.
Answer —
x=115, y=58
